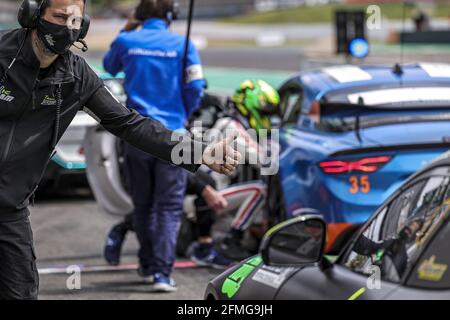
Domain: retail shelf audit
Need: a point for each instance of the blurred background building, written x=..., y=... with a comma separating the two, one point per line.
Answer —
x=217, y=8
x=304, y=28
x=8, y=12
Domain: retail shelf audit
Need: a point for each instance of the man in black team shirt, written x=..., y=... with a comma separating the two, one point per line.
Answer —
x=42, y=87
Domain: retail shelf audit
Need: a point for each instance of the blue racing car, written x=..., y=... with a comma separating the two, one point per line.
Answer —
x=351, y=135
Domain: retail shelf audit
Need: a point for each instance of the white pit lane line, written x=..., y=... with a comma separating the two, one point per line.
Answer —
x=63, y=268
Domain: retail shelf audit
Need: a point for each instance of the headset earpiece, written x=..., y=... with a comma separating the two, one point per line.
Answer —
x=28, y=13
x=175, y=10
x=85, y=26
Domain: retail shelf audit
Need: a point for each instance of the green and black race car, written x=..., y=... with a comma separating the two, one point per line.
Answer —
x=402, y=252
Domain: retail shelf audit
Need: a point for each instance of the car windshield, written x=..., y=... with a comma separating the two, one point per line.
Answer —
x=340, y=123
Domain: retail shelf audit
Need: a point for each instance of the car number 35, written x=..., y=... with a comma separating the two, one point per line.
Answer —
x=359, y=184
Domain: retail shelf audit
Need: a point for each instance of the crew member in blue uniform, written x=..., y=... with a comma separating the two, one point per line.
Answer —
x=160, y=86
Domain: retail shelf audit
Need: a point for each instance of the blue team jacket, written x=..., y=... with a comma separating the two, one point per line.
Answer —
x=152, y=59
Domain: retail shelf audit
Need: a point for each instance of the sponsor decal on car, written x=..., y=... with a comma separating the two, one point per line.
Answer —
x=430, y=270
x=272, y=276
x=233, y=282
x=357, y=294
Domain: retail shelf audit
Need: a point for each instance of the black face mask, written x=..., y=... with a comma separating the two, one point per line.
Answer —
x=55, y=37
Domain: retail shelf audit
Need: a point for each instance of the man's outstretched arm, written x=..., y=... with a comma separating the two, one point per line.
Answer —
x=152, y=137
x=142, y=132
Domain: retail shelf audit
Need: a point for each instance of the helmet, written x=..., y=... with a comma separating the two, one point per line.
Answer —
x=256, y=100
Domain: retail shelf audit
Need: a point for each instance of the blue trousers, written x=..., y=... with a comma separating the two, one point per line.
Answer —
x=157, y=189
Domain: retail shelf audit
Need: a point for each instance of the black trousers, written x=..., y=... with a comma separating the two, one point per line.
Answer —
x=19, y=278
x=205, y=216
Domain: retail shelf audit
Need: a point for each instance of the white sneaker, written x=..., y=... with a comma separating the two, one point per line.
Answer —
x=163, y=284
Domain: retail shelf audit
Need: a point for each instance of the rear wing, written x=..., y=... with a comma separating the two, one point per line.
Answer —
x=348, y=117
x=331, y=108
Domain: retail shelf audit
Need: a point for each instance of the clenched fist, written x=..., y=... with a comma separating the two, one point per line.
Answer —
x=221, y=157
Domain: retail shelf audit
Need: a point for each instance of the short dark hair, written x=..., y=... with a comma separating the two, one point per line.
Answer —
x=45, y=4
x=153, y=9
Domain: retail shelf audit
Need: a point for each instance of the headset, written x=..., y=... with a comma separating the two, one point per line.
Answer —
x=30, y=12
x=172, y=12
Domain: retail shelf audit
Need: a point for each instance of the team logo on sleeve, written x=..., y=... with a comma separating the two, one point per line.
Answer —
x=193, y=73
x=5, y=94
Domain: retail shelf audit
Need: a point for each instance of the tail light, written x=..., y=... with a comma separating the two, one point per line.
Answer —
x=365, y=165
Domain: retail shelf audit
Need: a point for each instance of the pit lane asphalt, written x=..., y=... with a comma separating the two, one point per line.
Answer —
x=71, y=231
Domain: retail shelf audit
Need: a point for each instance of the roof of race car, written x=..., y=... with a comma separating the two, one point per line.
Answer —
x=321, y=81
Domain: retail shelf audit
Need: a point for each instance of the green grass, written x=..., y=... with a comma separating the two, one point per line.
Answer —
x=418, y=48
x=325, y=13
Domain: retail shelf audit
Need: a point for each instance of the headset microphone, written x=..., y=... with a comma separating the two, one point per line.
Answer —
x=85, y=47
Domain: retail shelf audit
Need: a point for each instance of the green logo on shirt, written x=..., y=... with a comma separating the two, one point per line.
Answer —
x=48, y=101
x=5, y=94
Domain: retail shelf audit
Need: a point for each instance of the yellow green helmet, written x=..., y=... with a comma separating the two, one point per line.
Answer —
x=256, y=100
